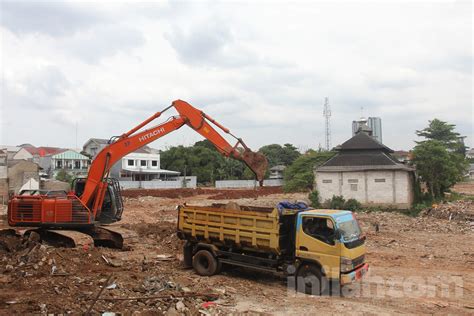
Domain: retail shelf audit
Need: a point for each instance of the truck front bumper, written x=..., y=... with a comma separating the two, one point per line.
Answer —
x=356, y=275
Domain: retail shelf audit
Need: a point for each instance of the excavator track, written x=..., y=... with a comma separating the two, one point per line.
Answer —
x=86, y=238
x=64, y=238
x=113, y=236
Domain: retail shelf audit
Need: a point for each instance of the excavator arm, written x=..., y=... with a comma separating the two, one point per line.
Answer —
x=96, y=183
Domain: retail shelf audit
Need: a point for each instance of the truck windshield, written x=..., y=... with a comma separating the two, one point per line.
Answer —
x=348, y=227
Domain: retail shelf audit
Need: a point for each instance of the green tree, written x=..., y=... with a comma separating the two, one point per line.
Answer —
x=63, y=176
x=280, y=155
x=444, y=133
x=440, y=160
x=299, y=176
x=205, y=162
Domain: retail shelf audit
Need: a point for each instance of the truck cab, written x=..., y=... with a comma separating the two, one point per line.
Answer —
x=331, y=240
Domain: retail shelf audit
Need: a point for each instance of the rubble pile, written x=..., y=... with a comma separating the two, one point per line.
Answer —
x=462, y=210
x=80, y=280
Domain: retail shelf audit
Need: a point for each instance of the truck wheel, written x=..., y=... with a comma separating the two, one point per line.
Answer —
x=309, y=280
x=205, y=264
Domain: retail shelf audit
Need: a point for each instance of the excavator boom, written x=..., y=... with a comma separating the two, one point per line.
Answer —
x=85, y=207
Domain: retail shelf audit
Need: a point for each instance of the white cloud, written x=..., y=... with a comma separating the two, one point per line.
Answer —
x=261, y=69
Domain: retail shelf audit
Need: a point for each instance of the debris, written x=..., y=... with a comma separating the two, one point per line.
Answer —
x=208, y=296
x=111, y=286
x=164, y=257
x=172, y=312
x=42, y=308
x=208, y=305
x=97, y=296
x=112, y=262
x=180, y=307
x=461, y=210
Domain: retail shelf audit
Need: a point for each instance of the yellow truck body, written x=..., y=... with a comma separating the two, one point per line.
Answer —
x=255, y=227
x=325, y=243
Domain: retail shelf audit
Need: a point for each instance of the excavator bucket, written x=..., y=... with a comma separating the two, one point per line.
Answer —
x=257, y=163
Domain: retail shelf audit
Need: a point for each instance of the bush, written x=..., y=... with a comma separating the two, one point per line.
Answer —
x=313, y=196
x=352, y=205
x=417, y=209
x=64, y=176
x=336, y=202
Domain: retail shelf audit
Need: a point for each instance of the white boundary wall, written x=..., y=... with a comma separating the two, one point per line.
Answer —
x=169, y=184
x=247, y=183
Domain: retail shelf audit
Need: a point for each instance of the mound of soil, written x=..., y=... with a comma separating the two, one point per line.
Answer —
x=215, y=194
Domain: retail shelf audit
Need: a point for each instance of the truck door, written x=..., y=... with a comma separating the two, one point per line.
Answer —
x=316, y=241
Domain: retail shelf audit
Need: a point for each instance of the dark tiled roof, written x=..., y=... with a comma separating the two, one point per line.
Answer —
x=362, y=141
x=362, y=152
x=361, y=158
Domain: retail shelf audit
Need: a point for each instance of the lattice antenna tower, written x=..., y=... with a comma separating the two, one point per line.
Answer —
x=327, y=116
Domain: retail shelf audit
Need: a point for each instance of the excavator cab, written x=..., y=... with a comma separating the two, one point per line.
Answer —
x=112, y=207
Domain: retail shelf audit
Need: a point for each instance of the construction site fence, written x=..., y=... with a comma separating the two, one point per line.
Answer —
x=191, y=182
x=247, y=183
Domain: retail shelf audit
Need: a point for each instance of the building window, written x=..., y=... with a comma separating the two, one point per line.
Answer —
x=379, y=180
x=353, y=187
x=154, y=163
x=77, y=164
x=130, y=162
x=353, y=181
x=327, y=181
x=143, y=163
x=59, y=164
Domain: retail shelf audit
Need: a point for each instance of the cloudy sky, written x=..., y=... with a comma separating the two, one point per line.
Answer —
x=263, y=70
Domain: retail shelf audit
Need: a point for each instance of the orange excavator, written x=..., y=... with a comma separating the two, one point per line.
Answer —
x=96, y=201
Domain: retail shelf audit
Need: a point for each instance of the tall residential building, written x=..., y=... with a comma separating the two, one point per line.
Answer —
x=371, y=126
x=375, y=123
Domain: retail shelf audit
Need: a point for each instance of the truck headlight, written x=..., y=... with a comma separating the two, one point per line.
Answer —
x=346, y=264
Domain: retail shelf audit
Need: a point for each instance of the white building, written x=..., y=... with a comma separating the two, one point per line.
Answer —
x=470, y=153
x=276, y=172
x=141, y=165
x=471, y=171
x=364, y=170
x=69, y=160
x=144, y=165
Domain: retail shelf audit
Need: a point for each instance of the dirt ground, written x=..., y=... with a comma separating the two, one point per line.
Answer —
x=417, y=265
x=464, y=188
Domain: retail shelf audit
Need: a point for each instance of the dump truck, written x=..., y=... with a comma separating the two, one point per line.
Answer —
x=318, y=249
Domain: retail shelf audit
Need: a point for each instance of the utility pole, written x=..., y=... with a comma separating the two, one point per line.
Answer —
x=327, y=116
